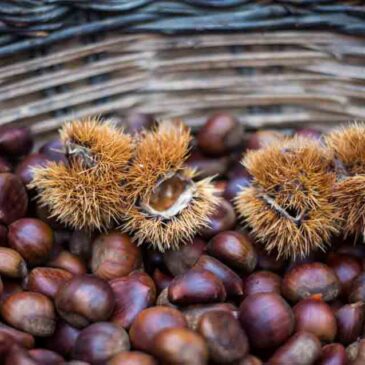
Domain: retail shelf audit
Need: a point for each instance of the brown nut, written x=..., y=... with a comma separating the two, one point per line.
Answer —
x=11, y=263
x=333, y=354
x=132, y=293
x=227, y=341
x=46, y=357
x=262, y=282
x=193, y=313
x=250, y=360
x=180, y=261
x=47, y=280
x=161, y=279
x=30, y=312
x=196, y=287
x=132, y=358
x=114, y=255
x=99, y=342
x=180, y=346
x=231, y=281
x=235, y=249
x=32, y=238
x=23, y=339
x=19, y=356
x=69, y=262
x=13, y=198
x=150, y=322
x=15, y=141
x=81, y=244
x=24, y=169
x=85, y=299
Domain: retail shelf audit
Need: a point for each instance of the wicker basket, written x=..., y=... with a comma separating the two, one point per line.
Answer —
x=272, y=63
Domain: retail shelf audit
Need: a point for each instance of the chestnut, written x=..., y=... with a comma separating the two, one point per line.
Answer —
x=85, y=299
x=180, y=346
x=268, y=261
x=250, y=360
x=13, y=198
x=47, y=280
x=180, y=261
x=220, y=134
x=231, y=281
x=356, y=352
x=206, y=166
x=11, y=263
x=303, y=348
x=138, y=122
x=114, y=255
x=81, y=244
x=21, y=338
x=30, y=312
x=32, y=238
x=333, y=354
x=347, y=268
x=46, y=357
x=69, y=262
x=315, y=316
x=193, y=313
x=196, y=287
x=150, y=322
x=357, y=289
x=132, y=358
x=24, y=169
x=267, y=319
x=263, y=138
x=5, y=166
x=223, y=219
x=63, y=339
x=262, y=282
x=305, y=280
x=99, y=342
x=238, y=178
x=227, y=341
x=54, y=150
x=350, y=322
x=15, y=141
x=163, y=299
x=132, y=293
x=6, y=342
x=19, y=356
x=235, y=249
x=161, y=279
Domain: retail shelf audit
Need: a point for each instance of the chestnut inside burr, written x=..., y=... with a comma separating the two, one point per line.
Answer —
x=79, y=153
x=170, y=196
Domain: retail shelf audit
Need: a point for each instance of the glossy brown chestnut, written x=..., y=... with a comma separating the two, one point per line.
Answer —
x=180, y=261
x=81, y=244
x=305, y=280
x=238, y=178
x=303, y=348
x=227, y=341
x=221, y=133
x=268, y=261
x=30, y=312
x=161, y=279
x=54, y=150
x=223, y=219
x=150, y=322
x=69, y=262
x=132, y=293
x=263, y=138
x=235, y=249
x=195, y=287
x=19, y=356
x=267, y=319
x=11, y=263
x=231, y=281
x=99, y=342
x=13, y=198
x=350, y=321
x=180, y=346
x=46, y=357
x=63, y=339
x=15, y=141
x=163, y=299
x=262, y=282
x=315, y=316
x=47, y=280
x=24, y=169
x=347, y=268
x=357, y=289
x=114, y=255
x=132, y=358
x=85, y=299
x=21, y=338
x=333, y=354
x=6, y=342
x=32, y=238
x=207, y=166
x=193, y=313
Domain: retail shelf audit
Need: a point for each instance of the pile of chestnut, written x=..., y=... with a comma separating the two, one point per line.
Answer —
x=72, y=297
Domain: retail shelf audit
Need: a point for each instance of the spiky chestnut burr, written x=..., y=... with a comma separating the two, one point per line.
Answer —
x=288, y=205
x=87, y=192
x=169, y=206
x=348, y=147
